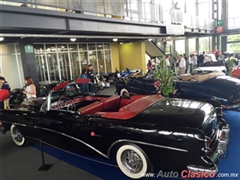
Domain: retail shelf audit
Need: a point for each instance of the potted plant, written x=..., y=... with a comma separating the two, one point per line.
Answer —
x=164, y=76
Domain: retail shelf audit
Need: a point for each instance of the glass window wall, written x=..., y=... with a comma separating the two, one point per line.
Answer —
x=65, y=61
x=204, y=44
x=180, y=46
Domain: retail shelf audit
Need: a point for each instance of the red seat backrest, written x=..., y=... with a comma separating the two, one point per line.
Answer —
x=91, y=108
x=140, y=104
x=111, y=103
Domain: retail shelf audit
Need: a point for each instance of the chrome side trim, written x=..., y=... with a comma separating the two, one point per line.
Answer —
x=71, y=137
x=144, y=143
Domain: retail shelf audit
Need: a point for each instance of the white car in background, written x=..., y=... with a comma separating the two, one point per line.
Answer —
x=211, y=65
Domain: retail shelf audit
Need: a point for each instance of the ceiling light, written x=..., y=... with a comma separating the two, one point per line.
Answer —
x=73, y=39
x=1, y=38
x=149, y=39
x=121, y=43
x=115, y=39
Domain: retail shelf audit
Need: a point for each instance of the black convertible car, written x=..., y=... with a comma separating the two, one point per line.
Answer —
x=143, y=133
x=206, y=86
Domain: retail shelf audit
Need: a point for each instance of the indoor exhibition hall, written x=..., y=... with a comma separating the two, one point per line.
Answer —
x=119, y=89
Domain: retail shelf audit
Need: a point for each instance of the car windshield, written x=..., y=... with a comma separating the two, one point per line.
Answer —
x=70, y=91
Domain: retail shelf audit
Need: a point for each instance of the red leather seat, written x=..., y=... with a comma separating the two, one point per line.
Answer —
x=111, y=103
x=91, y=108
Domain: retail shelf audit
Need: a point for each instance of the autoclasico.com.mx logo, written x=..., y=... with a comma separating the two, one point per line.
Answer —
x=186, y=174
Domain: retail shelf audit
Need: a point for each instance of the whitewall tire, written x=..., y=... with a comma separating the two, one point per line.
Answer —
x=17, y=137
x=124, y=93
x=132, y=161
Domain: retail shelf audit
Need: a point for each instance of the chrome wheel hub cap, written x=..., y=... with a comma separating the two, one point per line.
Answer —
x=17, y=135
x=132, y=161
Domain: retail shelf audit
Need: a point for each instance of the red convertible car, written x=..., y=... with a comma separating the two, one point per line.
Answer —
x=143, y=133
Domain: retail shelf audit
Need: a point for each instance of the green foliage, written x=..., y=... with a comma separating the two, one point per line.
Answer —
x=230, y=64
x=164, y=79
x=235, y=45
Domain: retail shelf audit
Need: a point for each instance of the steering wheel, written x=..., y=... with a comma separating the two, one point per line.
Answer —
x=66, y=103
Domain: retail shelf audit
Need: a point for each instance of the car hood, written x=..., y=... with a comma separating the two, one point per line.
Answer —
x=180, y=112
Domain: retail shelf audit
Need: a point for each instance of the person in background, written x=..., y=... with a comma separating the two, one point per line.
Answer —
x=168, y=64
x=182, y=65
x=30, y=89
x=4, y=85
x=194, y=61
x=85, y=87
x=90, y=75
x=191, y=63
x=149, y=65
x=200, y=59
x=187, y=63
x=177, y=65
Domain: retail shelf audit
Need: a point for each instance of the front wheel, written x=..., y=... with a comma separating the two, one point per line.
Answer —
x=17, y=137
x=132, y=161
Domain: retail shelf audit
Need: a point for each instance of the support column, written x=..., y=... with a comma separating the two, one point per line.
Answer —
x=224, y=16
x=29, y=63
x=186, y=46
x=223, y=43
x=197, y=45
x=196, y=7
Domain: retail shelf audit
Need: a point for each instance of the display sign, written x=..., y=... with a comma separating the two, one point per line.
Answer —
x=219, y=28
x=28, y=48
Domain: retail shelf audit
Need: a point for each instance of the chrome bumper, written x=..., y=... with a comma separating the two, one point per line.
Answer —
x=220, y=152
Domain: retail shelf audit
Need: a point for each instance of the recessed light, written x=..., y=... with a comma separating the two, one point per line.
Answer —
x=1, y=38
x=115, y=39
x=73, y=39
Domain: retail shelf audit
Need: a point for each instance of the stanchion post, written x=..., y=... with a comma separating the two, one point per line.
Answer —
x=44, y=167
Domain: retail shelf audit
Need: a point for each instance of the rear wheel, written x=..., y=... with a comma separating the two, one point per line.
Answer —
x=132, y=161
x=17, y=137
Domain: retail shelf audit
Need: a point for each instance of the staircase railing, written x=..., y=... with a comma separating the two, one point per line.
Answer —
x=167, y=49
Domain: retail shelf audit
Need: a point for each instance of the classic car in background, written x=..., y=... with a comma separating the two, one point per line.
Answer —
x=236, y=72
x=143, y=133
x=211, y=65
x=208, y=86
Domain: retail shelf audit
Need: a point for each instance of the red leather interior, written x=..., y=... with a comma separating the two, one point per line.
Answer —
x=124, y=102
x=131, y=110
x=91, y=108
x=111, y=103
x=136, y=97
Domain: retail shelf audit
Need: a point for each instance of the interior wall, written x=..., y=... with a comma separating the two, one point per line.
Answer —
x=11, y=65
x=132, y=55
x=115, y=56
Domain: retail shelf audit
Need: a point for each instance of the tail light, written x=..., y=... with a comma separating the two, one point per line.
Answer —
x=0, y=123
